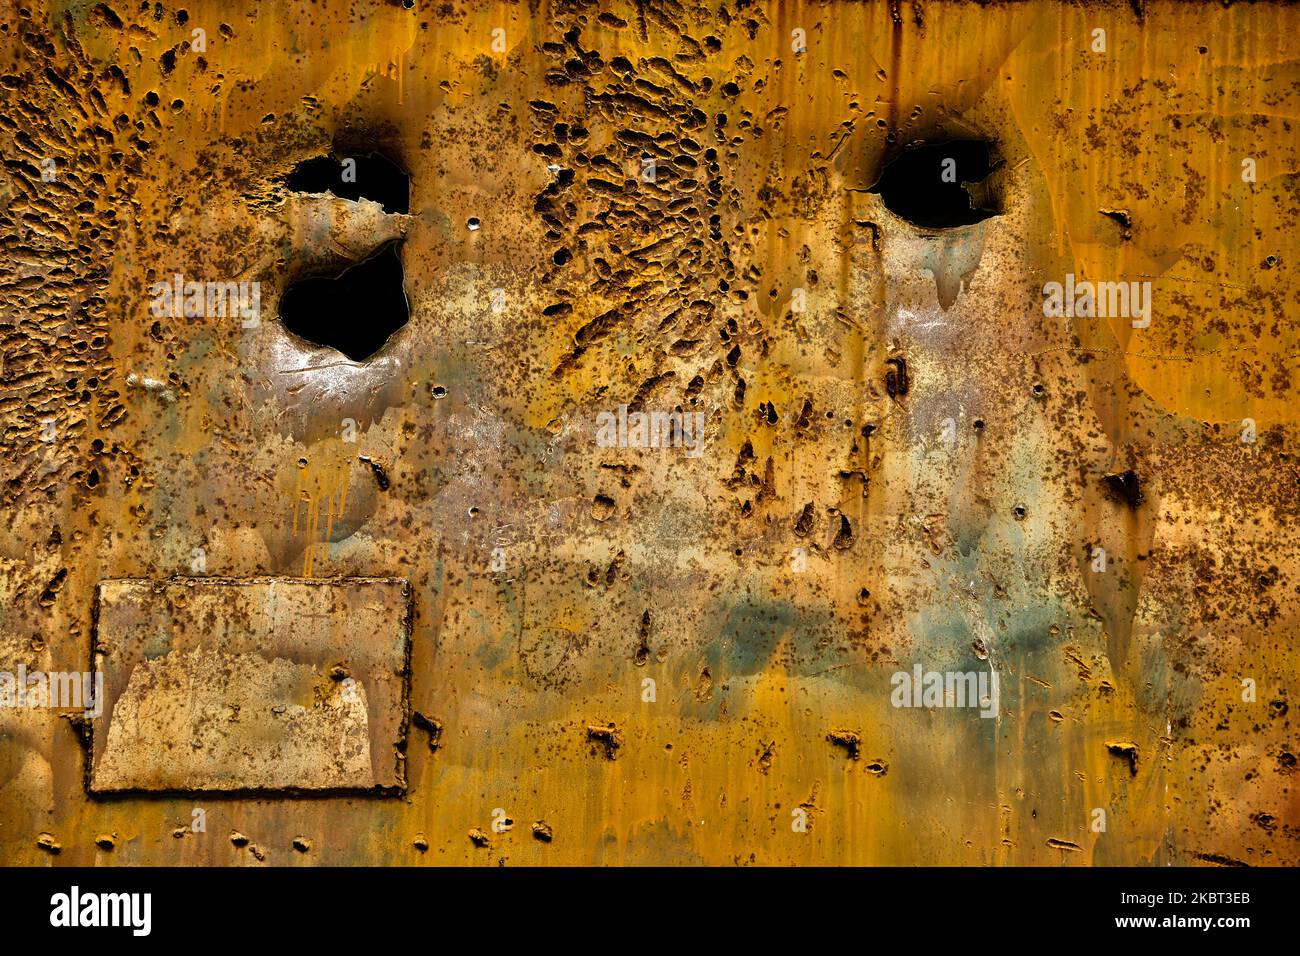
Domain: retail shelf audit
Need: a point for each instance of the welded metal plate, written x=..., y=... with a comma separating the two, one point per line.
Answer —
x=275, y=684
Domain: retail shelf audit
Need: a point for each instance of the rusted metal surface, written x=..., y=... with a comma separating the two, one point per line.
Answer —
x=700, y=650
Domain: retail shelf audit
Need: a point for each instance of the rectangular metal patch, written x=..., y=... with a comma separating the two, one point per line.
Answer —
x=258, y=684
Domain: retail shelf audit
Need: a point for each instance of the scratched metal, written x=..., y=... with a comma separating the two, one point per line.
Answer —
x=905, y=462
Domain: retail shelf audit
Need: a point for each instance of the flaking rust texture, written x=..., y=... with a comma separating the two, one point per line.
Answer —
x=660, y=655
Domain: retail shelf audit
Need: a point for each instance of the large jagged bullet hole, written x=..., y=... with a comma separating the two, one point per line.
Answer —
x=941, y=184
x=373, y=176
x=355, y=311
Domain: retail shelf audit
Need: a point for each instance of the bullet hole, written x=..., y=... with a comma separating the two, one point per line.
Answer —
x=377, y=178
x=804, y=523
x=844, y=536
x=381, y=476
x=704, y=687
x=561, y=257
x=896, y=382
x=979, y=424
x=46, y=842
x=301, y=844
x=1120, y=216
x=439, y=392
x=602, y=507
x=473, y=223
x=1056, y=844
x=607, y=739
x=641, y=656
x=1265, y=821
x=805, y=414
x=431, y=726
x=355, y=311
x=1126, y=487
x=849, y=740
x=864, y=595
x=478, y=837
x=51, y=591
x=1020, y=511
x=542, y=831
x=940, y=185
x=1125, y=751
x=1038, y=390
